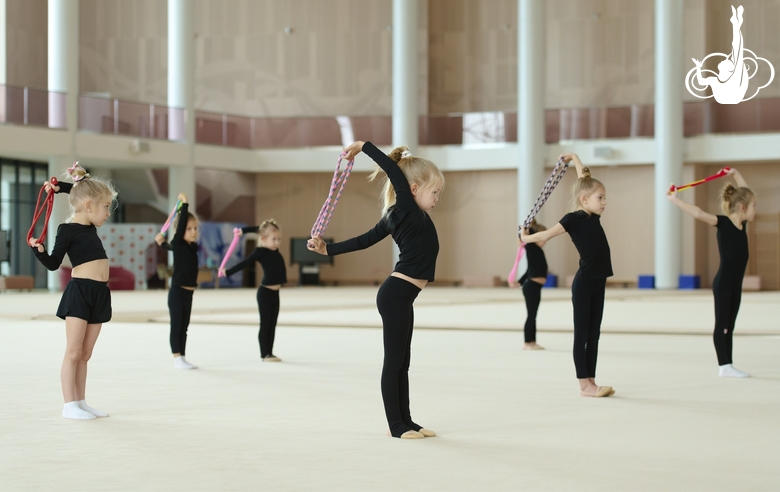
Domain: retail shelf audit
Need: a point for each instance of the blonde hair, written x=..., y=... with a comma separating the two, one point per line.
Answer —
x=536, y=227
x=585, y=186
x=190, y=216
x=732, y=195
x=416, y=169
x=85, y=187
x=265, y=225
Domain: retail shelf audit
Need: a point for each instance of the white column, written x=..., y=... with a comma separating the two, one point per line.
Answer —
x=181, y=82
x=530, y=103
x=63, y=63
x=668, y=139
x=405, y=94
x=3, y=44
x=63, y=77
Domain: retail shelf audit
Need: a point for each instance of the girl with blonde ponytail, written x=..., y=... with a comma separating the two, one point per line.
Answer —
x=587, y=290
x=86, y=301
x=411, y=189
x=739, y=205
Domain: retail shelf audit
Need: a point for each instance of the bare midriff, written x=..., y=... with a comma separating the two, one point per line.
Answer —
x=92, y=270
x=417, y=282
x=272, y=287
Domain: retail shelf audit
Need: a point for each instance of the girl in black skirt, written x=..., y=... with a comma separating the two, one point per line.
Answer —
x=587, y=290
x=739, y=205
x=411, y=190
x=185, y=278
x=86, y=301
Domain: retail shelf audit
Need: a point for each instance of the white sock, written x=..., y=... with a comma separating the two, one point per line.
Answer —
x=180, y=362
x=729, y=371
x=188, y=362
x=72, y=410
x=97, y=413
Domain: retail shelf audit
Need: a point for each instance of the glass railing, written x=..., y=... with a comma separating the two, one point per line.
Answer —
x=25, y=106
x=118, y=117
x=32, y=107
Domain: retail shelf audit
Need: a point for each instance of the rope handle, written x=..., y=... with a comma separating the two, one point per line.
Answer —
x=339, y=181
x=719, y=174
x=231, y=249
x=48, y=204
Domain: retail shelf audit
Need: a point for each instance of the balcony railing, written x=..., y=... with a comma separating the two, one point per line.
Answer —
x=36, y=107
x=32, y=107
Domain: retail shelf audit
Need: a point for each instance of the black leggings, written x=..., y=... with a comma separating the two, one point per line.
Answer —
x=268, y=304
x=728, y=295
x=394, y=300
x=179, y=307
x=587, y=295
x=533, y=296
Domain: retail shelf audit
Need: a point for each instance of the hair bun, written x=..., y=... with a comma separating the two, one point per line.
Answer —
x=586, y=172
x=77, y=173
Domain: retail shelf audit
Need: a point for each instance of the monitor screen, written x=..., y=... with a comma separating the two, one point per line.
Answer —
x=299, y=253
x=4, y=253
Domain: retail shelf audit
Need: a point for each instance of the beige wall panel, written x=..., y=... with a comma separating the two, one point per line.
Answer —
x=336, y=59
x=26, y=43
x=294, y=199
x=124, y=49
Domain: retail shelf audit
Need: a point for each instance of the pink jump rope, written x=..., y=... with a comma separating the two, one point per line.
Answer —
x=339, y=181
x=169, y=221
x=549, y=186
x=231, y=249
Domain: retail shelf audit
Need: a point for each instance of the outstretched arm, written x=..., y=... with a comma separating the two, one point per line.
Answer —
x=577, y=162
x=692, y=210
x=403, y=192
x=542, y=236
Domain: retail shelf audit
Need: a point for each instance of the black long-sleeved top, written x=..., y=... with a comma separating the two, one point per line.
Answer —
x=411, y=227
x=80, y=242
x=590, y=240
x=272, y=261
x=537, y=263
x=185, y=255
x=733, y=249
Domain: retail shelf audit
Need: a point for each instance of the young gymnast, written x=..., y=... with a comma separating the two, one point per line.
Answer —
x=411, y=190
x=86, y=301
x=739, y=204
x=532, y=281
x=274, y=275
x=584, y=228
x=185, y=278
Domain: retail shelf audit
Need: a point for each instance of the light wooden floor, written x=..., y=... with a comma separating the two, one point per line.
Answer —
x=507, y=419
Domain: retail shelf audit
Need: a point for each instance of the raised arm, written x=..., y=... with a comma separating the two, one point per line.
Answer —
x=403, y=193
x=737, y=177
x=545, y=236
x=181, y=226
x=692, y=210
x=577, y=162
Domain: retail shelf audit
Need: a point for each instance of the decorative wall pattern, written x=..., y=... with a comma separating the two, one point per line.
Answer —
x=132, y=247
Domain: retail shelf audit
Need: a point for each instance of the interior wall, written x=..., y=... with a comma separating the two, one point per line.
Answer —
x=476, y=220
x=123, y=49
x=26, y=43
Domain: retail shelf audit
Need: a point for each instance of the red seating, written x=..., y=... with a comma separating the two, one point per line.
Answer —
x=118, y=278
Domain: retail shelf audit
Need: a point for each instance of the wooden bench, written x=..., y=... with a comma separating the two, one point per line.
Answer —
x=20, y=282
